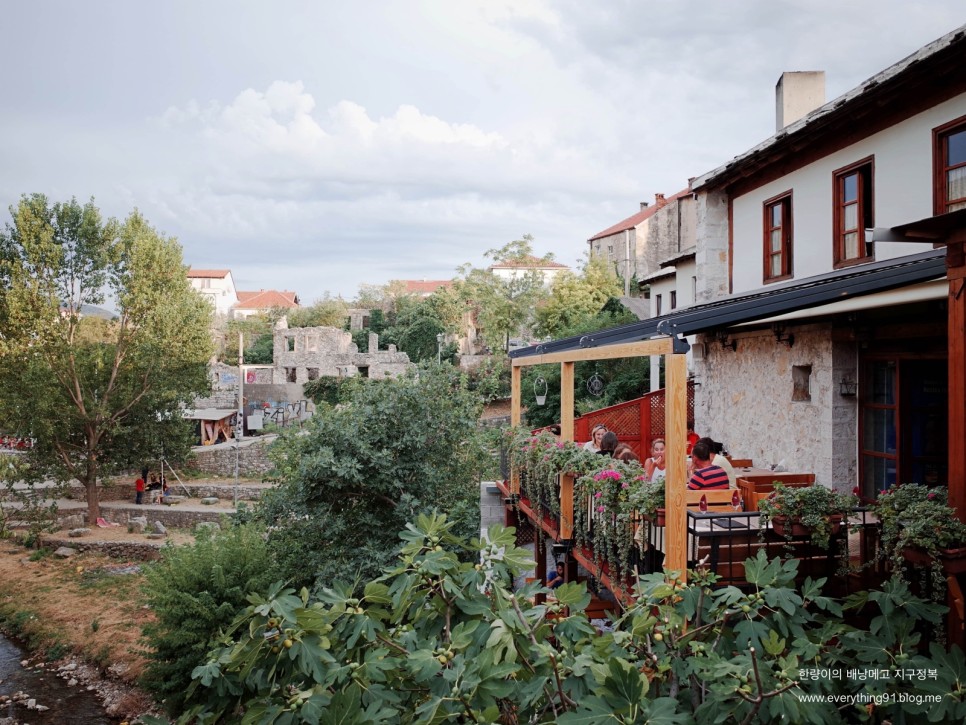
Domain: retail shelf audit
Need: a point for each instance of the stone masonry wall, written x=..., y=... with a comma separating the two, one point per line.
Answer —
x=746, y=401
x=711, y=255
x=252, y=459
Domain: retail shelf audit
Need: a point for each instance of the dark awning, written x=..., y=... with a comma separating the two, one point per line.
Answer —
x=764, y=303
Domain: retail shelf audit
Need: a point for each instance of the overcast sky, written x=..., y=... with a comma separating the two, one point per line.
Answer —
x=316, y=146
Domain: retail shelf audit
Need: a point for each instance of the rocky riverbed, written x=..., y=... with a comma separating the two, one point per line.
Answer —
x=43, y=693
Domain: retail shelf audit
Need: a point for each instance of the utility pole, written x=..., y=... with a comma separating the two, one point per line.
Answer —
x=240, y=415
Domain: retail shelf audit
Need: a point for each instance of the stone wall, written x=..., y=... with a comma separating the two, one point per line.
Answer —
x=253, y=458
x=747, y=400
x=124, y=550
x=304, y=353
x=711, y=255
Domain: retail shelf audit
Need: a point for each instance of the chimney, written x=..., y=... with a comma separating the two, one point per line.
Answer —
x=797, y=94
x=643, y=205
x=659, y=200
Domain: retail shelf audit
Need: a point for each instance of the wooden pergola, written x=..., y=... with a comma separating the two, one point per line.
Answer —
x=676, y=421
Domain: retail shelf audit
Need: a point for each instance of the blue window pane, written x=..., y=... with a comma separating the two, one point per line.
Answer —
x=957, y=148
x=850, y=187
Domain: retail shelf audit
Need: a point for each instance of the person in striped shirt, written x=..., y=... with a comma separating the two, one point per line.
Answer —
x=706, y=475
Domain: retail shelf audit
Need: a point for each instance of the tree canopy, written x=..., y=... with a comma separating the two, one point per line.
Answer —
x=504, y=304
x=358, y=471
x=575, y=297
x=96, y=396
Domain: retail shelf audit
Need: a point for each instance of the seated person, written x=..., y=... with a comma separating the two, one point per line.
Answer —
x=596, y=434
x=706, y=476
x=692, y=436
x=655, y=467
x=556, y=578
x=718, y=459
x=608, y=444
x=624, y=452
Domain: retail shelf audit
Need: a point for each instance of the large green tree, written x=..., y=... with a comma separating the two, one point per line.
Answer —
x=96, y=398
x=504, y=303
x=360, y=470
x=575, y=297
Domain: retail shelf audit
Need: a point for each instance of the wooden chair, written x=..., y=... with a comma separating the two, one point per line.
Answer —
x=718, y=499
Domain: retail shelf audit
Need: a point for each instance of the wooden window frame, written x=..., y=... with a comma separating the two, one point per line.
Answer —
x=785, y=199
x=866, y=211
x=939, y=167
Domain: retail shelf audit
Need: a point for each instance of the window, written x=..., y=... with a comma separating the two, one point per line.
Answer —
x=778, y=238
x=674, y=299
x=313, y=373
x=801, y=382
x=290, y=344
x=949, y=166
x=657, y=305
x=852, y=212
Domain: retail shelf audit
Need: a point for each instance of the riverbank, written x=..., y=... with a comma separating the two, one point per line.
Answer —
x=84, y=613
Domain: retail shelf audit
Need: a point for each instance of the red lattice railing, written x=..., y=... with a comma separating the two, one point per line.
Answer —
x=636, y=422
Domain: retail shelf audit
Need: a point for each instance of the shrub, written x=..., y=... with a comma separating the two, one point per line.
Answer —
x=358, y=472
x=195, y=591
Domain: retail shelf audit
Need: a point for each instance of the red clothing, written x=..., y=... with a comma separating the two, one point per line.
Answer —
x=692, y=439
x=139, y=485
x=710, y=477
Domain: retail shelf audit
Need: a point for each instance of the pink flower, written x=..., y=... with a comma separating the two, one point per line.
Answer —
x=600, y=509
x=598, y=494
x=930, y=496
x=625, y=485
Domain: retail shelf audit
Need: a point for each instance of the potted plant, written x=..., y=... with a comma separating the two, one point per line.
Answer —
x=813, y=511
x=647, y=498
x=920, y=527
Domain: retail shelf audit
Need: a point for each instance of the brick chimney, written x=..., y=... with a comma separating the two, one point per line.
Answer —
x=643, y=205
x=797, y=94
x=659, y=200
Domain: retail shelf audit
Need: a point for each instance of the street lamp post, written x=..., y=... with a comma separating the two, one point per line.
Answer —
x=439, y=348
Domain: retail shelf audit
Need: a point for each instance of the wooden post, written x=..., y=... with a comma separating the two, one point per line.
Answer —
x=515, y=420
x=567, y=434
x=676, y=428
x=956, y=332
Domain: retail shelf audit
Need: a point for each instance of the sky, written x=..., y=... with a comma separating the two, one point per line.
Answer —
x=318, y=146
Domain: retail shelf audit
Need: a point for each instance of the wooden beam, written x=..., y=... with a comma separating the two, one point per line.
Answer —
x=956, y=341
x=657, y=346
x=675, y=494
x=567, y=434
x=515, y=416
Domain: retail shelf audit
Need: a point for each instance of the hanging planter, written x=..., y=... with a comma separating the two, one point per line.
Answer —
x=540, y=390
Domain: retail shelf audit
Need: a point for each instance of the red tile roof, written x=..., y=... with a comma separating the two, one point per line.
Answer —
x=424, y=286
x=208, y=273
x=634, y=220
x=529, y=263
x=266, y=299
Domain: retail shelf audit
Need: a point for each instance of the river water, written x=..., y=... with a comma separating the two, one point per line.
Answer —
x=68, y=705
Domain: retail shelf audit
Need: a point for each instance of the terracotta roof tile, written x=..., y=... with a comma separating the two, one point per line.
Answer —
x=635, y=219
x=208, y=273
x=424, y=286
x=266, y=299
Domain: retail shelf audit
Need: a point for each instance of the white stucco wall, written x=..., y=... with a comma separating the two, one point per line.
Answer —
x=220, y=292
x=902, y=189
x=745, y=400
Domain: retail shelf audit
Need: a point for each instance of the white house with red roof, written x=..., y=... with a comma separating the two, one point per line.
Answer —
x=518, y=268
x=217, y=286
x=421, y=287
x=255, y=303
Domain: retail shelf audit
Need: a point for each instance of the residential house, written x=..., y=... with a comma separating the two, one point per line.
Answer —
x=847, y=374
x=516, y=269
x=215, y=285
x=255, y=303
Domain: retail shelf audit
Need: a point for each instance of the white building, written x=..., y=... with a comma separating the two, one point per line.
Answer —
x=217, y=286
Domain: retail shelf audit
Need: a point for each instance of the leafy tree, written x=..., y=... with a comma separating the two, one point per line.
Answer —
x=96, y=402
x=326, y=311
x=195, y=592
x=357, y=472
x=574, y=298
x=439, y=638
x=419, y=321
x=504, y=304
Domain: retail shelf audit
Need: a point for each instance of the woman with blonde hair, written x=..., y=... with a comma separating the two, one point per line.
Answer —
x=596, y=436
